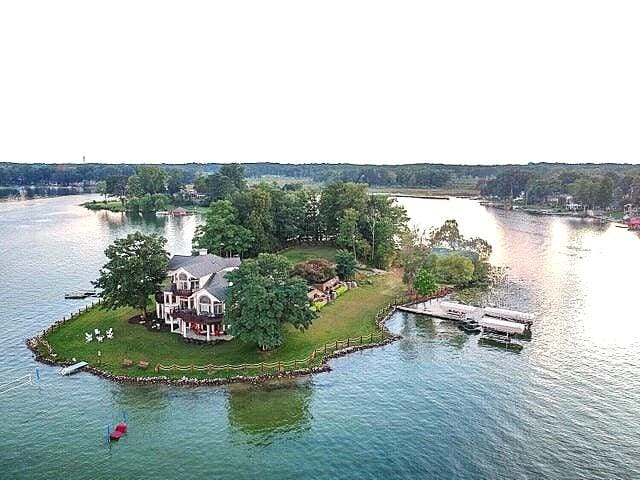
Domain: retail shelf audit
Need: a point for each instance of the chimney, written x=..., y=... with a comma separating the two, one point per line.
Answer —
x=202, y=251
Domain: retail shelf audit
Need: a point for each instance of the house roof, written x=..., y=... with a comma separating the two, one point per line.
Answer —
x=201, y=265
x=217, y=285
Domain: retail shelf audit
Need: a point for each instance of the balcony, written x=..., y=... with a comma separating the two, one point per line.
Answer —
x=181, y=292
x=191, y=315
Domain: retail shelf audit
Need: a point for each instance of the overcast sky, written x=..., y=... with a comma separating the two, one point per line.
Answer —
x=337, y=81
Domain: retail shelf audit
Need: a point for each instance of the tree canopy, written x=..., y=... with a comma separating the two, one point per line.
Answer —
x=262, y=298
x=345, y=264
x=135, y=269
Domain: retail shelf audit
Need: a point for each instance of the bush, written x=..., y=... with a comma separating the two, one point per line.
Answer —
x=316, y=270
x=341, y=289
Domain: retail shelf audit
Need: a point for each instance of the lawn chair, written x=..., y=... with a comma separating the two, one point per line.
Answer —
x=143, y=364
x=127, y=362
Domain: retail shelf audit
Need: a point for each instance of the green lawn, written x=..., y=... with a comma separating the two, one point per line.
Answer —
x=302, y=254
x=351, y=315
x=113, y=206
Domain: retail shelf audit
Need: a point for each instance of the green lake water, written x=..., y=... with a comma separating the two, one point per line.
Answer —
x=435, y=404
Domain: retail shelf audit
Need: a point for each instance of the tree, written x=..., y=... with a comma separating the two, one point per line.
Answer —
x=316, y=270
x=338, y=197
x=348, y=233
x=134, y=186
x=101, y=188
x=175, y=180
x=262, y=298
x=135, y=269
x=345, y=264
x=221, y=232
x=117, y=185
x=412, y=253
x=383, y=221
x=425, y=283
x=454, y=269
x=152, y=179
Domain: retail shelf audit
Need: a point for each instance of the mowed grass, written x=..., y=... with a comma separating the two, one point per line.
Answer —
x=302, y=254
x=351, y=315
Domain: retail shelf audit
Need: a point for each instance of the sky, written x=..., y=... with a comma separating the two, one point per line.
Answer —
x=445, y=81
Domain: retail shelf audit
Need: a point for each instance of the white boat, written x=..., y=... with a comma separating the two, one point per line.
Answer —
x=73, y=368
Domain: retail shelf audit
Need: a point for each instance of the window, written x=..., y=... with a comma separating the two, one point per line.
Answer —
x=205, y=305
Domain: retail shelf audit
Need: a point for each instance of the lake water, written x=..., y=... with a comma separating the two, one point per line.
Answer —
x=433, y=405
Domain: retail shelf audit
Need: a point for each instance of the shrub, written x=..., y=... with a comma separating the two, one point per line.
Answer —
x=316, y=270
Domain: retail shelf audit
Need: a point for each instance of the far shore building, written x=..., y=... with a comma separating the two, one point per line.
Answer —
x=193, y=303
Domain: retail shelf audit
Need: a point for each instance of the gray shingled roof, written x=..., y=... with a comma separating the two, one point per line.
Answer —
x=201, y=265
x=217, y=285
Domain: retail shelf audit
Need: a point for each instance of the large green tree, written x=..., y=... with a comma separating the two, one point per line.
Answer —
x=136, y=267
x=454, y=269
x=262, y=298
x=152, y=179
x=221, y=233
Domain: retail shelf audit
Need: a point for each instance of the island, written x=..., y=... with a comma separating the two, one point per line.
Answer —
x=278, y=282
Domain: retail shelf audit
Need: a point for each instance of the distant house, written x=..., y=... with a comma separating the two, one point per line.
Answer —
x=193, y=303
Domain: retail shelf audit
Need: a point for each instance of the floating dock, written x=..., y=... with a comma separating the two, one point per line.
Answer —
x=510, y=322
x=73, y=368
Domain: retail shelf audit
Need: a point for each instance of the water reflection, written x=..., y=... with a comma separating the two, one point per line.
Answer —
x=266, y=411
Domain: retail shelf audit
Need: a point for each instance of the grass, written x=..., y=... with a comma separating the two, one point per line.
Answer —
x=351, y=315
x=302, y=254
x=113, y=206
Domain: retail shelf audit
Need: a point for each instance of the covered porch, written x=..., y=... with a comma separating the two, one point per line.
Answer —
x=202, y=327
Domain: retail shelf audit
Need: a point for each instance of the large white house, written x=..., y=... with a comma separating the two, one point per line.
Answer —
x=193, y=303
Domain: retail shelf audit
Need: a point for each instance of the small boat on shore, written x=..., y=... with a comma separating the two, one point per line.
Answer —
x=73, y=368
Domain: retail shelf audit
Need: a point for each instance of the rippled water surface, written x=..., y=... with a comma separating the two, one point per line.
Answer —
x=433, y=405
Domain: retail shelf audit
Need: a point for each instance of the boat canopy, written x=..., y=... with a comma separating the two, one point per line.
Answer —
x=459, y=307
x=509, y=314
x=502, y=325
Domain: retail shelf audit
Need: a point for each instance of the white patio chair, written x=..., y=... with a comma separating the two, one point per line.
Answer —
x=99, y=338
x=109, y=335
x=88, y=337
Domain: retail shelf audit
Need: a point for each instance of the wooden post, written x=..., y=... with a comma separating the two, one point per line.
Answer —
x=336, y=345
x=325, y=348
x=157, y=369
x=192, y=368
x=360, y=339
x=280, y=366
x=348, y=342
x=371, y=339
x=262, y=368
x=295, y=364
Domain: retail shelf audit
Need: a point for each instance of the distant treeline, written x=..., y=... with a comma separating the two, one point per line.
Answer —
x=409, y=175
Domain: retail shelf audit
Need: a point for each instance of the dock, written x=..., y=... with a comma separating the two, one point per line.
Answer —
x=73, y=368
x=510, y=322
